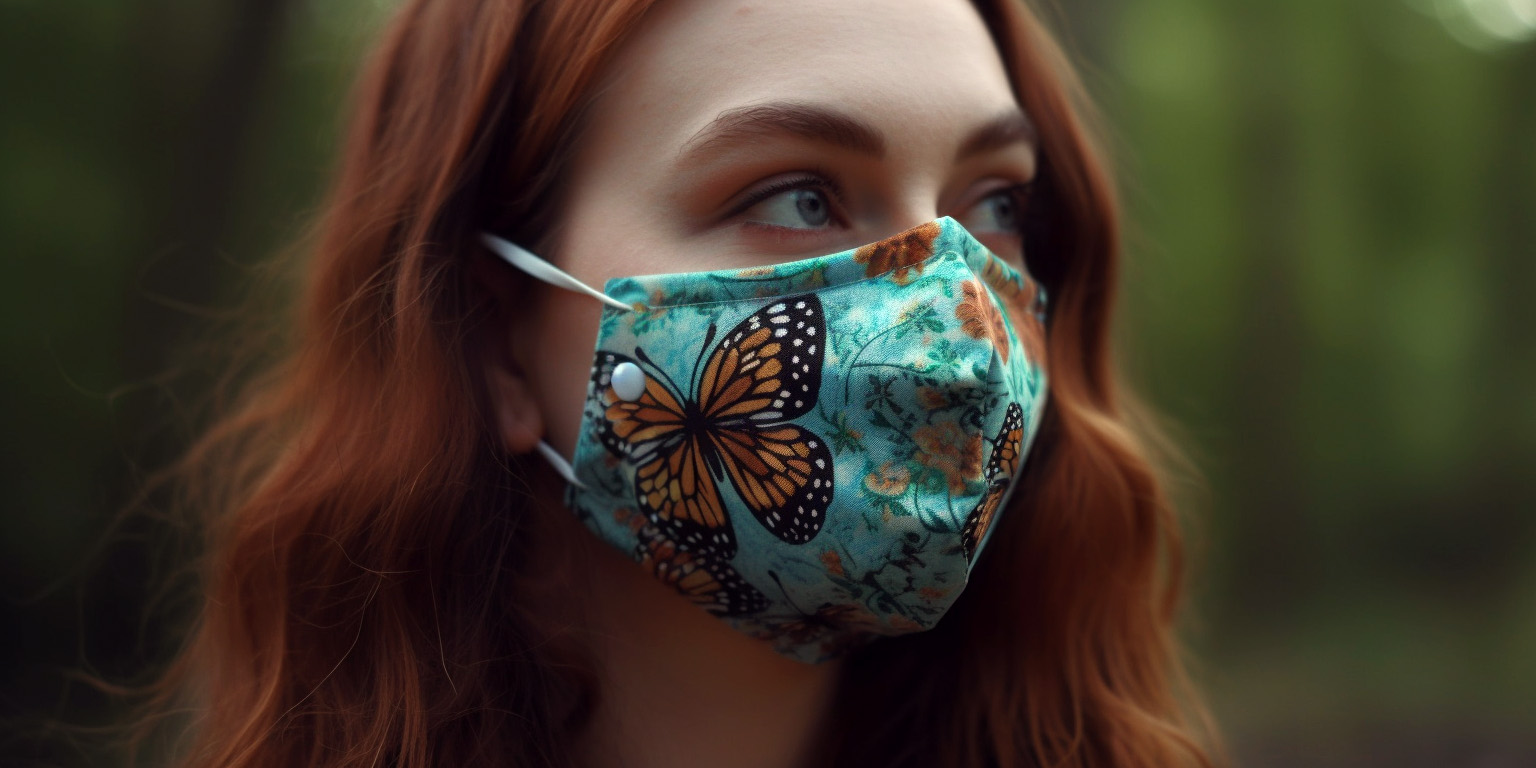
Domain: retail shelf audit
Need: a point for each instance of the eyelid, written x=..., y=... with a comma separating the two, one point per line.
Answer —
x=1019, y=190
x=787, y=183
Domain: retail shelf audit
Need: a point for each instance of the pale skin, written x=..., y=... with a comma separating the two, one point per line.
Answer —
x=732, y=133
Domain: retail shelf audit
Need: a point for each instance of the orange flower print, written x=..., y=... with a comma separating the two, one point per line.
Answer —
x=932, y=594
x=1006, y=284
x=1019, y=301
x=947, y=447
x=980, y=319
x=1027, y=324
x=833, y=563
x=627, y=517
x=932, y=399
x=888, y=480
x=900, y=254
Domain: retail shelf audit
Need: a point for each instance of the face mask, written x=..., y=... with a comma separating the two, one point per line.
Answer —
x=814, y=451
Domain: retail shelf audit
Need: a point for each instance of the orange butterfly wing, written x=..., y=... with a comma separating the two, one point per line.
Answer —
x=763, y=372
x=713, y=586
x=673, y=479
x=783, y=474
x=999, y=472
x=766, y=371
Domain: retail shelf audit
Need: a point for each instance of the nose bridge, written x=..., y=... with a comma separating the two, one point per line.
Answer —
x=914, y=192
x=916, y=203
x=912, y=211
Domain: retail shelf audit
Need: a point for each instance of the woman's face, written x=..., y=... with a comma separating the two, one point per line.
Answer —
x=734, y=133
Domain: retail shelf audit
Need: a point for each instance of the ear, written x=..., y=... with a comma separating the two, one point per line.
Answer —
x=518, y=417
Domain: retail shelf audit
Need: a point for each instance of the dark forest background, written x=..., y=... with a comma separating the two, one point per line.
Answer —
x=1331, y=288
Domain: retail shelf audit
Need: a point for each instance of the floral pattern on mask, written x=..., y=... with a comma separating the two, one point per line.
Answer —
x=979, y=317
x=898, y=255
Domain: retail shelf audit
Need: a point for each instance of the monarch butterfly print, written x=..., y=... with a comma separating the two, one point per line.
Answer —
x=999, y=472
x=732, y=422
x=714, y=586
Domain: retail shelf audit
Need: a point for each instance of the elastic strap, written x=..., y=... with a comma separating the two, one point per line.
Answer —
x=562, y=467
x=540, y=269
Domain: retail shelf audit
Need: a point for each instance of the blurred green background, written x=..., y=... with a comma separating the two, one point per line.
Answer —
x=1333, y=258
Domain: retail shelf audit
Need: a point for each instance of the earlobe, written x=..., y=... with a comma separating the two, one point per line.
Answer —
x=517, y=413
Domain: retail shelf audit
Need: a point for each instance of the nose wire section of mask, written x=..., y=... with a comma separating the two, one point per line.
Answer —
x=540, y=269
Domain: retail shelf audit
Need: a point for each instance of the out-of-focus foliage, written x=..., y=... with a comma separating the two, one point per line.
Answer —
x=1334, y=245
x=1332, y=260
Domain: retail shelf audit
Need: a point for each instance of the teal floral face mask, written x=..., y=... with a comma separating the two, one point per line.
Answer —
x=816, y=451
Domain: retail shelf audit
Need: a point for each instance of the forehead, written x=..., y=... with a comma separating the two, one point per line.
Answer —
x=923, y=68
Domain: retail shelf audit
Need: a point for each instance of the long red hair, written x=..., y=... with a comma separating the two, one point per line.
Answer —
x=367, y=537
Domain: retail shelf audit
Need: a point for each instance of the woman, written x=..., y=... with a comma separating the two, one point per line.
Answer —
x=395, y=574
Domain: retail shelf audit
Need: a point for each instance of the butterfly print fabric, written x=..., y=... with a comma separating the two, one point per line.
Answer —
x=815, y=452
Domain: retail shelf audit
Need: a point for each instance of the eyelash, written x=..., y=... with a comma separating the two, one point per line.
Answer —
x=1019, y=193
x=808, y=181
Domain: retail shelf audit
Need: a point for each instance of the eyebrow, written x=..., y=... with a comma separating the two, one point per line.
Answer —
x=1011, y=127
x=760, y=121
x=829, y=126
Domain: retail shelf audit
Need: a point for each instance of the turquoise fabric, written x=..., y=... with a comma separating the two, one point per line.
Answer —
x=820, y=446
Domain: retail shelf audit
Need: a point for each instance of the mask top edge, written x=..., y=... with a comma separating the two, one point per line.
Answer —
x=902, y=254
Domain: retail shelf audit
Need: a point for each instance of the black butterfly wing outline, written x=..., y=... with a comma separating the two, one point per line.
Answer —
x=980, y=519
x=601, y=397
x=766, y=371
x=768, y=368
x=709, y=583
x=674, y=482
x=1007, y=445
x=999, y=472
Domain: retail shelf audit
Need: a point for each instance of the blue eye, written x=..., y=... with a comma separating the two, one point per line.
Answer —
x=798, y=208
x=998, y=212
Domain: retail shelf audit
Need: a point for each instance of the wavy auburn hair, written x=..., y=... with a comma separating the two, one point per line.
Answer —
x=367, y=538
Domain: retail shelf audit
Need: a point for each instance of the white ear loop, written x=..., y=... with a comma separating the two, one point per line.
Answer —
x=540, y=269
x=562, y=467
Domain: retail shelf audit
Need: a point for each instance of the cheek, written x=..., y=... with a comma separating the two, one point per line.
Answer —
x=562, y=333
